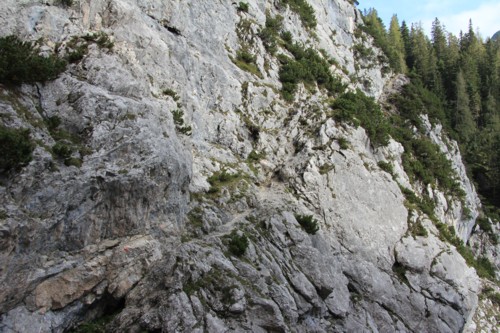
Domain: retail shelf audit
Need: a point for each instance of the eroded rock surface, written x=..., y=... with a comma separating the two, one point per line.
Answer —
x=141, y=225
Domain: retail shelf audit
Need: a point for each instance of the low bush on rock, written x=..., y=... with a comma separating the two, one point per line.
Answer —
x=361, y=110
x=304, y=10
x=308, y=222
x=15, y=148
x=20, y=62
x=307, y=67
x=65, y=3
x=269, y=35
x=237, y=244
x=243, y=7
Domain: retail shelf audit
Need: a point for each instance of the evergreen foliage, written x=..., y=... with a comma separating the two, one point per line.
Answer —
x=21, y=63
x=246, y=61
x=395, y=40
x=65, y=3
x=304, y=10
x=374, y=27
x=62, y=150
x=462, y=120
x=361, y=110
x=386, y=166
x=237, y=243
x=15, y=148
x=415, y=99
x=422, y=160
x=456, y=80
x=308, y=222
x=307, y=67
x=243, y=7
x=218, y=179
x=269, y=35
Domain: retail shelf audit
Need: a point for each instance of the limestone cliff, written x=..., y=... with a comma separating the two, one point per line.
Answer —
x=182, y=151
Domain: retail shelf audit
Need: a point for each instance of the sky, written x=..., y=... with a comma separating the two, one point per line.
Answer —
x=454, y=14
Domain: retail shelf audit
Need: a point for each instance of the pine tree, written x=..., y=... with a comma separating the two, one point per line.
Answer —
x=424, y=60
x=495, y=174
x=463, y=120
x=489, y=71
x=393, y=50
x=451, y=66
x=472, y=54
x=397, y=45
x=490, y=117
x=405, y=35
x=438, y=34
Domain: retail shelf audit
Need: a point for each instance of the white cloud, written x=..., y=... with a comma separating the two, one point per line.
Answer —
x=484, y=18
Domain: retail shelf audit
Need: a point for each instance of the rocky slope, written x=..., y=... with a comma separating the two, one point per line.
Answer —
x=182, y=150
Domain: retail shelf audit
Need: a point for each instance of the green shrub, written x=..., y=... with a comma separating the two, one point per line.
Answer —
x=424, y=161
x=308, y=223
x=53, y=123
x=100, y=38
x=237, y=244
x=77, y=54
x=359, y=109
x=363, y=52
x=253, y=129
x=96, y=326
x=495, y=298
x=171, y=93
x=307, y=67
x=387, y=167
x=195, y=217
x=246, y=61
x=243, y=7
x=178, y=116
x=62, y=150
x=220, y=178
x=287, y=37
x=426, y=205
x=415, y=99
x=492, y=212
x=78, y=45
x=20, y=63
x=400, y=271
x=245, y=56
x=417, y=229
x=16, y=148
x=255, y=157
x=73, y=161
x=484, y=224
x=304, y=10
x=269, y=35
x=492, y=295
x=66, y=3
x=483, y=266
x=326, y=168
x=343, y=143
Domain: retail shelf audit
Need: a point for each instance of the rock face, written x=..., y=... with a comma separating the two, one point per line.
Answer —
x=182, y=150
x=453, y=212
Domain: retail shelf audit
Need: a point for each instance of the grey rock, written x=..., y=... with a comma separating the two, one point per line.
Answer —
x=138, y=224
